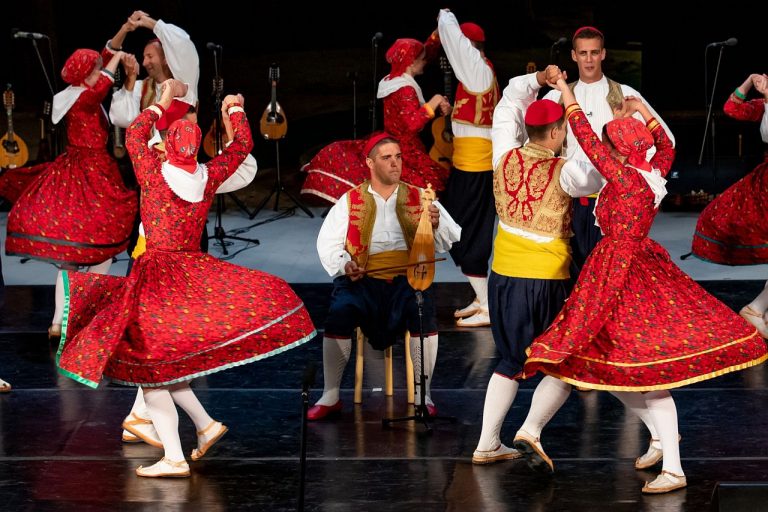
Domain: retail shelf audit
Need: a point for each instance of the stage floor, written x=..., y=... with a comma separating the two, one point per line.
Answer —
x=60, y=445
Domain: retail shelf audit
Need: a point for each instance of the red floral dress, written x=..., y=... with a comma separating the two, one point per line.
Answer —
x=635, y=321
x=732, y=229
x=180, y=313
x=76, y=209
x=341, y=166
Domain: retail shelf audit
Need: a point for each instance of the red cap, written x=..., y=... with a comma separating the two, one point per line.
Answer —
x=586, y=27
x=542, y=112
x=473, y=32
x=373, y=140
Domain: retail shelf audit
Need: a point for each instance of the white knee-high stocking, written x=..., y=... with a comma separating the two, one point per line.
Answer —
x=185, y=398
x=335, y=358
x=636, y=403
x=498, y=399
x=163, y=414
x=101, y=268
x=139, y=407
x=58, y=311
x=664, y=415
x=548, y=398
x=430, y=347
x=480, y=286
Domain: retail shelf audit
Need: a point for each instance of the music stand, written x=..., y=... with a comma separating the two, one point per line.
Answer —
x=273, y=127
x=219, y=233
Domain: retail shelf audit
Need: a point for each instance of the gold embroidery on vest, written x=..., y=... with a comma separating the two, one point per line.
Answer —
x=528, y=193
x=363, y=216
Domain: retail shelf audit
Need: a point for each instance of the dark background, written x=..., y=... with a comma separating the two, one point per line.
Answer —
x=657, y=48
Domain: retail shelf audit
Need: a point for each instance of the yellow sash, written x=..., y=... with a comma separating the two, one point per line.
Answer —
x=515, y=256
x=387, y=259
x=141, y=247
x=472, y=154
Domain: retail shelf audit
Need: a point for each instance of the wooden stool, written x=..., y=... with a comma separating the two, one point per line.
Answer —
x=388, y=387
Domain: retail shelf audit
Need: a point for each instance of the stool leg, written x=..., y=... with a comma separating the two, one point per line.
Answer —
x=359, y=361
x=388, y=388
x=409, y=378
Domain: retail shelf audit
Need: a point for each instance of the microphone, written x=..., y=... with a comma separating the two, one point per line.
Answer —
x=377, y=37
x=18, y=34
x=309, y=377
x=213, y=46
x=560, y=41
x=728, y=42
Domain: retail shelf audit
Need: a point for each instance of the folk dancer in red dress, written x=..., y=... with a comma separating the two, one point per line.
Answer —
x=172, y=54
x=730, y=230
x=468, y=195
x=635, y=324
x=171, y=320
x=341, y=165
x=74, y=211
x=529, y=279
x=374, y=226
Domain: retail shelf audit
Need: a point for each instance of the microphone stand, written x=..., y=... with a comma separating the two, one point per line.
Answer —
x=56, y=145
x=309, y=379
x=554, y=50
x=353, y=76
x=375, y=56
x=219, y=233
x=709, y=113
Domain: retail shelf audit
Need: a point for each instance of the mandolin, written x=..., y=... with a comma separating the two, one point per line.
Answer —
x=13, y=150
x=442, y=133
x=422, y=255
x=273, y=124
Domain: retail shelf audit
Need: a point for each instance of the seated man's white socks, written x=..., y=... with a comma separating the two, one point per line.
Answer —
x=336, y=352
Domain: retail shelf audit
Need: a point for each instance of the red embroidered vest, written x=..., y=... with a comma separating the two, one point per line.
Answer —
x=526, y=186
x=476, y=108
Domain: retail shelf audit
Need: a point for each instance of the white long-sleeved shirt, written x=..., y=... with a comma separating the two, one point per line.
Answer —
x=184, y=63
x=387, y=235
x=764, y=126
x=468, y=65
x=509, y=117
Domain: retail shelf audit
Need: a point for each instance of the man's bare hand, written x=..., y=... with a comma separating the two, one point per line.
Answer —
x=434, y=216
x=350, y=268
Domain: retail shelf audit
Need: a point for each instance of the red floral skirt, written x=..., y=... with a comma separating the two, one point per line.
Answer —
x=177, y=316
x=340, y=166
x=732, y=229
x=76, y=210
x=636, y=322
x=13, y=182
